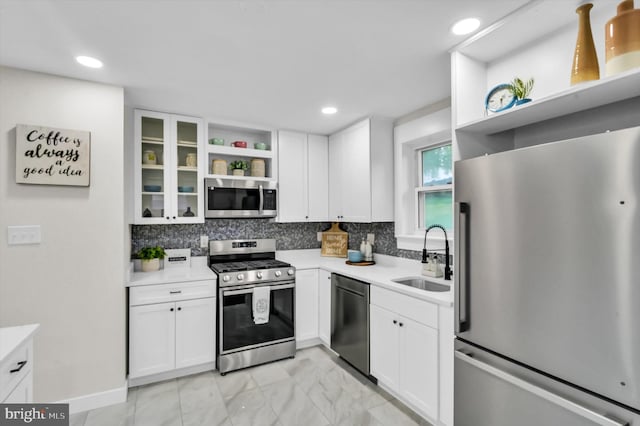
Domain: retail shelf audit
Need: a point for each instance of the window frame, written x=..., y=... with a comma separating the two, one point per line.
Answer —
x=420, y=190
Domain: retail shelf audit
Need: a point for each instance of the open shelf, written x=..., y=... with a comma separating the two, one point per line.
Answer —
x=238, y=152
x=232, y=177
x=153, y=166
x=575, y=99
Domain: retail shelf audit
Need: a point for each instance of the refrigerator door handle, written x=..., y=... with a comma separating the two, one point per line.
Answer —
x=460, y=277
x=540, y=392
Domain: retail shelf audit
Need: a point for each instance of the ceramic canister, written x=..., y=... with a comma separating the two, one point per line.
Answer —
x=191, y=160
x=622, y=39
x=219, y=167
x=257, y=167
x=149, y=157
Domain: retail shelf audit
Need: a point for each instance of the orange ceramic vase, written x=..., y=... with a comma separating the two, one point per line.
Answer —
x=585, y=61
x=622, y=39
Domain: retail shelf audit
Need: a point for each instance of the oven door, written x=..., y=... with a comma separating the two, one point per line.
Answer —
x=237, y=330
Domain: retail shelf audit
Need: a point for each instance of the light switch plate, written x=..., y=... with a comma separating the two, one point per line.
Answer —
x=371, y=238
x=204, y=241
x=24, y=234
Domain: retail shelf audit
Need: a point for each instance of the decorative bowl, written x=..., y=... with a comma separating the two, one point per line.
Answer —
x=185, y=189
x=216, y=141
x=240, y=144
x=152, y=188
x=354, y=256
x=260, y=145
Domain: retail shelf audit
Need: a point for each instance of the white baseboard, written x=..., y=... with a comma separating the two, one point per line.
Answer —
x=97, y=400
x=307, y=343
x=172, y=374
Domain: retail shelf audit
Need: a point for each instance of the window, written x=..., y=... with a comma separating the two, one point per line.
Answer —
x=435, y=187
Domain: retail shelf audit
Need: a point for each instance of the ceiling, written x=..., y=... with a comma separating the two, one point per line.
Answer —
x=270, y=63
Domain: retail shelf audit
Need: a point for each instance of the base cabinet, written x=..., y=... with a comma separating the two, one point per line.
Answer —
x=404, y=352
x=306, y=308
x=174, y=334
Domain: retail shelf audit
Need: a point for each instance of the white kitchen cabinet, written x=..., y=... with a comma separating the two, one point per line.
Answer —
x=324, y=307
x=306, y=308
x=169, y=164
x=558, y=110
x=303, y=181
x=16, y=364
x=361, y=172
x=152, y=331
x=171, y=327
x=405, y=349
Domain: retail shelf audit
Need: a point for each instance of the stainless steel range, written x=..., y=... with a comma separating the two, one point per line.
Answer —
x=256, y=298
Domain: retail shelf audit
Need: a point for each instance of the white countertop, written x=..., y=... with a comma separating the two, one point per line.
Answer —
x=380, y=274
x=197, y=272
x=12, y=337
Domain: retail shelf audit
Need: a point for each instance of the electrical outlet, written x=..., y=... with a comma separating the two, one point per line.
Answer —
x=319, y=237
x=371, y=238
x=204, y=241
x=29, y=234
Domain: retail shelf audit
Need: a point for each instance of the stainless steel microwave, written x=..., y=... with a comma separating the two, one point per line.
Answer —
x=240, y=198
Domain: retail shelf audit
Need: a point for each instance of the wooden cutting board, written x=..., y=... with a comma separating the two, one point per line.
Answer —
x=335, y=242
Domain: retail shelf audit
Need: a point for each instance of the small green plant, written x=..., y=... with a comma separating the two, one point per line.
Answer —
x=239, y=165
x=148, y=253
x=521, y=89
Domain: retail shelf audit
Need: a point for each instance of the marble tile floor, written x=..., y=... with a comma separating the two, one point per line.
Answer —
x=314, y=389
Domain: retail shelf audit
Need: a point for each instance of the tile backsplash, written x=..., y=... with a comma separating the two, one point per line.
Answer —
x=288, y=236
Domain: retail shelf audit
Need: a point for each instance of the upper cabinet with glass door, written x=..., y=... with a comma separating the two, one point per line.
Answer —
x=169, y=166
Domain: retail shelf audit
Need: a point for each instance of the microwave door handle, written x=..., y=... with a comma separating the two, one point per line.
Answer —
x=261, y=191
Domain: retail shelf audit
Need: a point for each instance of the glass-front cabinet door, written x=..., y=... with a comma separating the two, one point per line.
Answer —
x=169, y=168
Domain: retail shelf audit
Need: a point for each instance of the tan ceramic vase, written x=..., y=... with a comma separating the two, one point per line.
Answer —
x=585, y=61
x=622, y=39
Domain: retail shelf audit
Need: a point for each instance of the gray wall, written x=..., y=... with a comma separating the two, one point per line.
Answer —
x=289, y=236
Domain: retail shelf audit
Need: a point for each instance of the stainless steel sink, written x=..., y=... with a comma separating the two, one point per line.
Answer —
x=422, y=284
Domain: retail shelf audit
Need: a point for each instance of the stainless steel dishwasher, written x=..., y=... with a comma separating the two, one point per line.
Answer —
x=350, y=321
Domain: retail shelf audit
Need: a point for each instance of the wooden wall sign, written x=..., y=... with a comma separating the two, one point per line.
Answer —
x=335, y=242
x=50, y=156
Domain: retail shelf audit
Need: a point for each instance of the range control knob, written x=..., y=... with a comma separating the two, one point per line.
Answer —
x=290, y=272
x=278, y=273
x=259, y=275
x=240, y=277
x=226, y=278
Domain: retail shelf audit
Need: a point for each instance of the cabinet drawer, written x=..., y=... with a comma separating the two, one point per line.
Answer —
x=21, y=359
x=161, y=293
x=418, y=310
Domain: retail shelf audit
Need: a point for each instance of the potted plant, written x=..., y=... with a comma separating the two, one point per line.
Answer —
x=238, y=167
x=150, y=258
x=521, y=90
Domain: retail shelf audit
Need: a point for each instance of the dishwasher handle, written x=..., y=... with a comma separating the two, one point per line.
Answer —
x=350, y=290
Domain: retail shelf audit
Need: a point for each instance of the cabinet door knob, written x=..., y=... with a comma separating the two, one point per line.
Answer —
x=171, y=309
x=400, y=324
x=395, y=322
x=167, y=217
x=179, y=309
x=174, y=217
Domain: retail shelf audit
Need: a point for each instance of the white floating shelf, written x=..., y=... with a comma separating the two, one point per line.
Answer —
x=152, y=142
x=153, y=166
x=187, y=169
x=152, y=193
x=238, y=152
x=577, y=98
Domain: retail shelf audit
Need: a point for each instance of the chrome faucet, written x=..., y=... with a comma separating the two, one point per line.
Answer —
x=447, y=268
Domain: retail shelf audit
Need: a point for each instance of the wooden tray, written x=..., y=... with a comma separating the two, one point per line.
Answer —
x=363, y=263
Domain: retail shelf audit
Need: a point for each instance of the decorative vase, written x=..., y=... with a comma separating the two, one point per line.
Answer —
x=150, y=265
x=585, y=60
x=238, y=172
x=622, y=39
x=257, y=167
x=219, y=167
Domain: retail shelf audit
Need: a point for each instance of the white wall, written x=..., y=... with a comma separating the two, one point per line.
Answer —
x=71, y=283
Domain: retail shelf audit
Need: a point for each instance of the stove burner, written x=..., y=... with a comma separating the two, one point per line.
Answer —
x=250, y=265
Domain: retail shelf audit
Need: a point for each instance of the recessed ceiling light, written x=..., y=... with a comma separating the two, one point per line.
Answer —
x=465, y=26
x=88, y=61
x=329, y=110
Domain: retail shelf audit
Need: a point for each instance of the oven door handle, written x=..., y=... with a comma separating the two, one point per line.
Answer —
x=250, y=289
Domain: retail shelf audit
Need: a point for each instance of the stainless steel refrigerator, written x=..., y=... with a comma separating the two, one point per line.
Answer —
x=548, y=284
